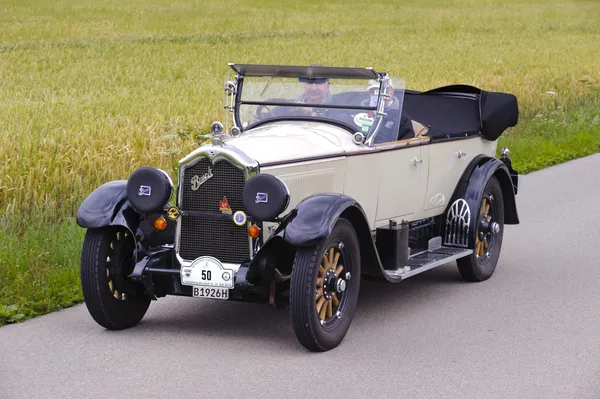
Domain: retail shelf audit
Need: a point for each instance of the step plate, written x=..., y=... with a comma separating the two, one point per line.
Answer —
x=428, y=260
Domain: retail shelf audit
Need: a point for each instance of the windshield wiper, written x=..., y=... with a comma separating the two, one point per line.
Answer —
x=267, y=85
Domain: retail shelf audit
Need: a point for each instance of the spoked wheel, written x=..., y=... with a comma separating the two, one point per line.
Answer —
x=106, y=261
x=480, y=265
x=331, y=283
x=324, y=289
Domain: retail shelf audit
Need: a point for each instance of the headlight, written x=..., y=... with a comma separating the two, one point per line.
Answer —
x=149, y=189
x=265, y=197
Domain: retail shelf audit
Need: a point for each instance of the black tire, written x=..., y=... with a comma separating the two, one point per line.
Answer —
x=477, y=267
x=105, y=248
x=312, y=332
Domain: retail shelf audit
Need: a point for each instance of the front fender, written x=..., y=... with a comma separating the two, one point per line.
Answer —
x=108, y=206
x=314, y=218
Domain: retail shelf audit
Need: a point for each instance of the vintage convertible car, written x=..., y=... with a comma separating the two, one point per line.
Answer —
x=320, y=177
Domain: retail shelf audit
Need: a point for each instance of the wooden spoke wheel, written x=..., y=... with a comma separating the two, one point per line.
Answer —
x=106, y=261
x=487, y=229
x=480, y=265
x=324, y=289
x=330, y=283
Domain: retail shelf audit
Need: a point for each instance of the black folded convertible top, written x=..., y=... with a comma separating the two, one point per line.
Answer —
x=462, y=110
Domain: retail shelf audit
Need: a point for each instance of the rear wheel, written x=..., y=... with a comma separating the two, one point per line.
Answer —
x=324, y=289
x=106, y=261
x=481, y=264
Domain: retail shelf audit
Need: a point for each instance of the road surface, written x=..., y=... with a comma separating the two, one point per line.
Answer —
x=532, y=331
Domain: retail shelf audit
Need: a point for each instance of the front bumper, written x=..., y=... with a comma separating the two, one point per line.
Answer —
x=159, y=271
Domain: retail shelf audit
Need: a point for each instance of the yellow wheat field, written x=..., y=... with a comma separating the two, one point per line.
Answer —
x=91, y=90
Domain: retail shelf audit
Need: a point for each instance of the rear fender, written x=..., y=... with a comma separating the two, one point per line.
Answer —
x=470, y=190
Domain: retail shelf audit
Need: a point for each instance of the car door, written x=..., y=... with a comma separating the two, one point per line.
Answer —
x=402, y=180
x=449, y=161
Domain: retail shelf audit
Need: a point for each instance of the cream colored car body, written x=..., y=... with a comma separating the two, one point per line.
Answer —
x=403, y=180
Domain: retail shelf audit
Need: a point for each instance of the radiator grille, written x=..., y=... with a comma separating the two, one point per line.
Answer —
x=205, y=230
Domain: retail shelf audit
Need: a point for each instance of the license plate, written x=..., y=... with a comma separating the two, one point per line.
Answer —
x=207, y=271
x=210, y=292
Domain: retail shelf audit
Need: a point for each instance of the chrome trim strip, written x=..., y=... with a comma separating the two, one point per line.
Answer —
x=213, y=153
x=232, y=154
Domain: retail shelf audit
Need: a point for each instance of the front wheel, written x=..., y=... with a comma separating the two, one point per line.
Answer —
x=106, y=260
x=324, y=289
x=480, y=265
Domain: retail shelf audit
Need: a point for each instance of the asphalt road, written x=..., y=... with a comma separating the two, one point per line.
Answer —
x=532, y=331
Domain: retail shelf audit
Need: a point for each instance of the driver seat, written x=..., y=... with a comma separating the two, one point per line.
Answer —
x=419, y=129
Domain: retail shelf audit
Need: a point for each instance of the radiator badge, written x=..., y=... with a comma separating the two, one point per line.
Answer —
x=173, y=213
x=239, y=218
x=224, y=206
x=197, y=181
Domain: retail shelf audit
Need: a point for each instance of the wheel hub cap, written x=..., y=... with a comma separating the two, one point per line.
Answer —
x=487, y=228
x=340, y=285
x=495, y=228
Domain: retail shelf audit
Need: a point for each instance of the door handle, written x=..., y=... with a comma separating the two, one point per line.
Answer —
x=417, y=161
x=461, y=154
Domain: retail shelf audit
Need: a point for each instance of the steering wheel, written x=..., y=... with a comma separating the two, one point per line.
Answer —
x=263, y=111
x=260, y=113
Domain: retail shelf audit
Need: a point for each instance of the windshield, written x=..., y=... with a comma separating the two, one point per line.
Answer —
x=360, y=105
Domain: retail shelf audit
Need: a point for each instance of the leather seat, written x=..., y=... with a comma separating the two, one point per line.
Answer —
x=419, y=128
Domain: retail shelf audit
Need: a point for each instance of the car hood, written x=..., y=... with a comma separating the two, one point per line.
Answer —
x=292, y=140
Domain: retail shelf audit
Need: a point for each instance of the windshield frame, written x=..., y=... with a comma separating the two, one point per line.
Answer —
x=255, y=70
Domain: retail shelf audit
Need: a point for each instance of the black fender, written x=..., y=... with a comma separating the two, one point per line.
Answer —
x=313, y=220
x=472, y=184
x=108, y=206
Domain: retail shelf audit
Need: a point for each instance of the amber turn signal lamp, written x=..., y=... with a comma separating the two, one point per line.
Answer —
x=253, y=231
x=160, y=224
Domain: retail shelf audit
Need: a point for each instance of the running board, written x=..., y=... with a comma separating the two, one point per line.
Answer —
x=428, y=260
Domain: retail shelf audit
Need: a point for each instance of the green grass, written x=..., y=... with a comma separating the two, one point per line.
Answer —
x=553, y=137
x=91, y=90
x=38, y=267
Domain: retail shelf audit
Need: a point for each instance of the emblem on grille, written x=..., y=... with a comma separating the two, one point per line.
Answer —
x=239, y=218
x=224, y=206
x=262, y=197
x=197, y=181
x=173, y=213
x=145, y=190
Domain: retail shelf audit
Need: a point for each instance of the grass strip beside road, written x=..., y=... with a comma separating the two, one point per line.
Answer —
x=39, y=267
x=555, y=136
